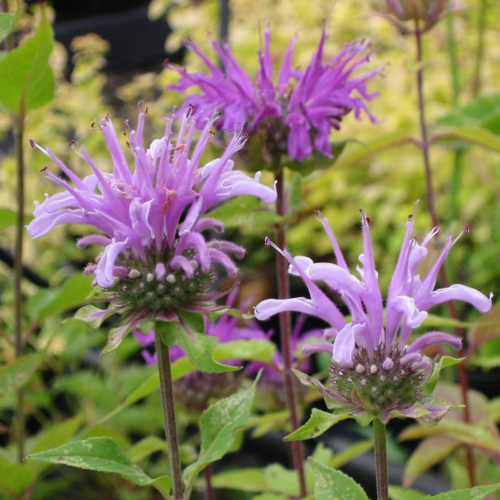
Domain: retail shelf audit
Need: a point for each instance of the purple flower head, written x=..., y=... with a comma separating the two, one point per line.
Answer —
x=150, y=217
x=298, y=110
x=373, y=364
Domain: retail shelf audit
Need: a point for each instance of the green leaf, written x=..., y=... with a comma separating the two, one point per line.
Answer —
x=245, y=211
x=104, y=455
x=429, y=452
x=90, y=315
x=484, y=112
x=461, y=432
x=26, y=79
x=222, y=310
x=319, y=422
x=252, y=480
x=7, y=22
x=399, y=493
x=198, y=347
x=331, y=484
x=443, y=362
x=15, y=478
x=317, y=161
x=146, y=447
x=434, y=320
x=470, y=494
x=217, y=427
x=116, y=335
x=70, y=294
x=354, y=451
x=57, y=435
x=8, y=217
x=485, y=328
x=474, y=135
x=14, y=375
x=282, y=480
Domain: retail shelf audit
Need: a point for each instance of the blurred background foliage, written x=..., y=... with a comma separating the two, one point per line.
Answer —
x=379, y=170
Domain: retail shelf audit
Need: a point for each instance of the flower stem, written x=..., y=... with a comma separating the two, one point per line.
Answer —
x=18, y=276
x=209, y=491
x=167, y=399
x=462, y=374
x=477, y=81
x=296, y=450
x=423, y=125
x=380, y=438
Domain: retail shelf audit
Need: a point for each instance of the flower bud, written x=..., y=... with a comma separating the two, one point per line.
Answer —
x=428, y=11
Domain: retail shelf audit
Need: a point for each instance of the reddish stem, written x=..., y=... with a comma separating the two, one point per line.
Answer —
x=462, y=374
x=295, y=447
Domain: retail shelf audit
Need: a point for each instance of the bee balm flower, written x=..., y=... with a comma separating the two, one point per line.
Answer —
x=150, y=217
x=374, y=366
x=299, y=110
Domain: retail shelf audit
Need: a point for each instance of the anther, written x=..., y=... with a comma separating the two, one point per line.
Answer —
x=134, y=273
x=170, y=278
x=363, y=381
x=373, y=369
x=150, y=277
x=360, y=369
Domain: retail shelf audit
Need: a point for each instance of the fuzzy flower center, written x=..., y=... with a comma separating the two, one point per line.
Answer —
x=150, y=287
x=383, y=383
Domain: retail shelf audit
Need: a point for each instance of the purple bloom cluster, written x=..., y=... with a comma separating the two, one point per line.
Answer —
x=150, y=217
x=297, y=112
x=366, y=347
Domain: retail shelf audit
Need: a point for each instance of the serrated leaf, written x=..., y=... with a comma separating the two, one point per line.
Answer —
x=198, y=347
x=429, y=452
x=26, y=79
x=72, y=293
x=331, y=484
x=14, y=375
x=217, y=427
x=103, y=455
x=7, y=22
x=475, y=493
x=319, y=422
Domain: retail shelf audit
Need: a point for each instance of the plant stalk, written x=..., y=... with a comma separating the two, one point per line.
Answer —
x=425, y=145
x=295, y=447
x=477, y=81
x=380, y=438
x=167, y=400
x=209, y=491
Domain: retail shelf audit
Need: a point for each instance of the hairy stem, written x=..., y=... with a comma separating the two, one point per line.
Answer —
x=380, y=438
x=462, y=374
x=296, y=450
x=167, y=400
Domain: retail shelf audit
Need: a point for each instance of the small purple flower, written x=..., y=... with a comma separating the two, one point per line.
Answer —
x=299, y=110
x=150, y=217
x=374, y=366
